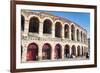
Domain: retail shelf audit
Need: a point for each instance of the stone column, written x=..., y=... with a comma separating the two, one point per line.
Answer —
x=79, y=36
x=76, y=52
x=70, y=49
x=53, y=52
x=53, y=31
x=75, y=35
x=41, y=29
x=24, y=54
x=70, y=32
x=62, y=31
x=26, y=27
x=40, y=52
x=62, y=51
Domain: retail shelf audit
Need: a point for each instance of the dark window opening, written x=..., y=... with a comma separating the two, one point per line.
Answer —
x=47, y=26
x=66, y=33
x=58, y=51
x=32, y=52
x=46, y=51
x=73, y=32
x=58, y=29
x=34, y=25
x=67, y=51
x=22, y=22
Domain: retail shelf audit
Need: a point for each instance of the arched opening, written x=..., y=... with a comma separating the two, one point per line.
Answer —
x=58, y=50
x=78, y=51
x=32, y=52
x=47, y=26
x=66, y=31
x=58, y=29
x=72, y=32
x=34, y=25
x=22, y=22
x=77, y=35
x=73, y=51
x=46, y=51
x=67, y=51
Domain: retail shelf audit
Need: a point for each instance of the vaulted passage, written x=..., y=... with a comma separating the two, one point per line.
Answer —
x=78, y=51
x=72, y=32
x=66, y=31
x=47, y=26
x=73, y=50
x=67, y=51
x=46, y=51
x=77, y=35
x=58, y=50
x=58, y=29
x=32, y=52
x=34, y=25
x=22, y=22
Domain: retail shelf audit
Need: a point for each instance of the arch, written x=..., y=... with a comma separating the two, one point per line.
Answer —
x=77, y=35
x=58, y=30
x=58, y=50
x=34, y=25
x=66, y=31
x=22, y=22
x=78, y=50
x=46, y=51
x=32, y=52
x=72, y=32
x=47, y=26
x=67, y=51
x=73, y=49
x=82, y=51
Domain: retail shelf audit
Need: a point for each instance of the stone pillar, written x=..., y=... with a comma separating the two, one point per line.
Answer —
x=62, y=31
x=81, y=51
x=76, y=52
x=70, y=49
x=41, y=29
x=70, y=32
x=53, y=52
x=75, y=35
x=62, y=51
x=24, y=54
x=26, y=27
x=40, y=52
x=79, y=36
x=53, y=31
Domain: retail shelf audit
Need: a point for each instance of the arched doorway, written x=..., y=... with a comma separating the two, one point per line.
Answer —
x=82, y=51
x=66, y=31
x=58, y=50
x=67, y=51
x=72, y=32
x=32, y=52
x=58, y=29
x=77, y=35
x=47, y=26
x=78, y=51
x=22, y=22
x=46, y=51
x=34, y=25
x=73, y=51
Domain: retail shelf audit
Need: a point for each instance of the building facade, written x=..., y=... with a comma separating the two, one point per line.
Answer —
x=48, y=37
